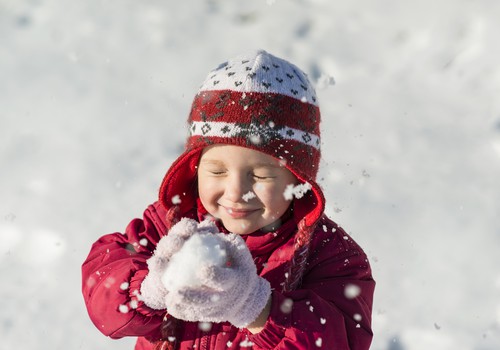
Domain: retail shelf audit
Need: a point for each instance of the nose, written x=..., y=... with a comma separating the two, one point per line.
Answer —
x=237, y=186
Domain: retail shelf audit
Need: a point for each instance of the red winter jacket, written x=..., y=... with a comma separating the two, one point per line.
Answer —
x=330, y=310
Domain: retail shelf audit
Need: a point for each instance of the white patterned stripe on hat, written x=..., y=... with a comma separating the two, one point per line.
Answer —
x=254, y=133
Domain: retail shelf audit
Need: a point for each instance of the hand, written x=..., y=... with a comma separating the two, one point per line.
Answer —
x=153, y=292
x=233, y=293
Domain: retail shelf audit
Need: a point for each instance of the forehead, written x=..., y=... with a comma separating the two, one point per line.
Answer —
x=237, y=154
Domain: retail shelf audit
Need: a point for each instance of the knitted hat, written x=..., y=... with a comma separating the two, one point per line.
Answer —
x=261, y=102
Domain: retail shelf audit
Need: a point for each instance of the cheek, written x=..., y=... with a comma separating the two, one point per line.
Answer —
x=206, y=191
x=272, y=196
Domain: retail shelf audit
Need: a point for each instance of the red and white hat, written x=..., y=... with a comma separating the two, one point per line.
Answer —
x=262, y=102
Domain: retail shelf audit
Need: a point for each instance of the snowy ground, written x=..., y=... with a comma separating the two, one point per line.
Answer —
x=93, y=100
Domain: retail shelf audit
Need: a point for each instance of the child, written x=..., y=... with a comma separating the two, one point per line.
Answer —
x=279, y=273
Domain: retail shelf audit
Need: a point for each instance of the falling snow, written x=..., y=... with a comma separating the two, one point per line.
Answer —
x=249, y=195
x=134, y=304
x=123, y=309
x=286, y=306
x=351, y=291
x=430, y=78
x=246, y=343
x=205, y=326
x=176, y=199
x=319, y=342
x=297, y=191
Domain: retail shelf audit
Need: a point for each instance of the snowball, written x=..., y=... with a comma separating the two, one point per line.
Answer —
x=143, y=242
x=296, y=191
x=351, y=291
x=199, y=250
x=357, y=317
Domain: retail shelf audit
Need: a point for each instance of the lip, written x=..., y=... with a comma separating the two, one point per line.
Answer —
x=239, y=213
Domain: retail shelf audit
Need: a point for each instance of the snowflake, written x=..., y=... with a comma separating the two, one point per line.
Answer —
x=351, y=291
x=123, y=309
x=319, y=342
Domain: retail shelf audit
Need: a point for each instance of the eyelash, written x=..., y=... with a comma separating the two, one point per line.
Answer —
x=262, y=177
x=218, y=173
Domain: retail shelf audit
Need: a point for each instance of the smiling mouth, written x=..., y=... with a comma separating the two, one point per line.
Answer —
x=239, y=213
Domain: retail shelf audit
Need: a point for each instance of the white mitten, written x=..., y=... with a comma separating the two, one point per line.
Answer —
x=224, y=292
x=153, y=291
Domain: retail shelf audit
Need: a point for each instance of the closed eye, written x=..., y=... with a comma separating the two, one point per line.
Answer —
x=263, y=177
x=217, y=172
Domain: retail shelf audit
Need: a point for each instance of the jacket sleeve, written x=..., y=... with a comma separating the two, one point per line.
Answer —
x=112, y=275
x=332, y=308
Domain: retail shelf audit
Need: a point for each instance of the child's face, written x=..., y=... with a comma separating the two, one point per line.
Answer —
x=243, y=188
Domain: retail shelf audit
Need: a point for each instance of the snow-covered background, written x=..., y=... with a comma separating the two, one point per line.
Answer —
x=94, y=96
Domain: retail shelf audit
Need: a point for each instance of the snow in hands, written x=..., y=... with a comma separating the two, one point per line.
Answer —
x=200, y=250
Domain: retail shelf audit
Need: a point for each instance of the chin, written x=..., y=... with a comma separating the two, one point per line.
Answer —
x=239, y=228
